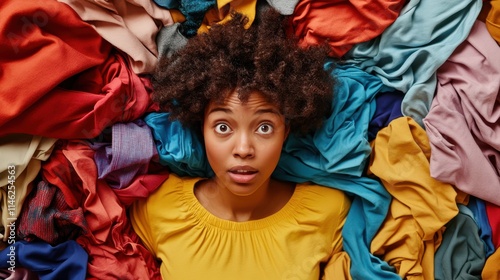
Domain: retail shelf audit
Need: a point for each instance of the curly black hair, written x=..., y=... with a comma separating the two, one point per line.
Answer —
x=261, y=57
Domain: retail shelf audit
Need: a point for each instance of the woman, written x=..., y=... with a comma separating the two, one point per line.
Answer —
x=245, y=90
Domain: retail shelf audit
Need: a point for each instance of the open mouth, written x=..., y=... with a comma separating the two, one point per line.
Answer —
x=242, y=176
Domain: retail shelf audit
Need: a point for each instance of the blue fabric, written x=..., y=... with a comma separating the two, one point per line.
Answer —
x=168, y=4
x=67, y=260
x=179, y=148
x=478, y=209
x=388, y=109
x=341, y=145
x=408, y=53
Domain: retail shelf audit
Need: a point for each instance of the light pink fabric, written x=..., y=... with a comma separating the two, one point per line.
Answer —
x=463, y=123
x=130, y=25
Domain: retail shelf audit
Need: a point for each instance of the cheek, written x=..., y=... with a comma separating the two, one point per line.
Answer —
x=272, y=151
x=215, y=152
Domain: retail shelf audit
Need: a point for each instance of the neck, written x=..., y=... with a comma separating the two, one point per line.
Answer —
x=244, y=208
x=267, y=200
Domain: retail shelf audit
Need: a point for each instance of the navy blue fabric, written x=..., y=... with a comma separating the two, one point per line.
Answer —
x=67, y=260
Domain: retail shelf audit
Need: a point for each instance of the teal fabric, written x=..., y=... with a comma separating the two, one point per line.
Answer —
x=408, y=53
x=461, y=254
x=478, y=209
x=179, y=149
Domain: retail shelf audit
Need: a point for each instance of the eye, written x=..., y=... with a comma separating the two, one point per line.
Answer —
x=222, y=128
x=265, y=128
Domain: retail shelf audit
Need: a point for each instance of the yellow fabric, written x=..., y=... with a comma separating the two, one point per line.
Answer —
x=491, y=269
x=194, y=244
x=493, y=20
x=421, y=205
x=222, y=13
x=177, y=16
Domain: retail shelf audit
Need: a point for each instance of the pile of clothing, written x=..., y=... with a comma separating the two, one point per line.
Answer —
x=412, y=138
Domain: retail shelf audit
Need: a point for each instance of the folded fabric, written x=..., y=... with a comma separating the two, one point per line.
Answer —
x=46, y=43
x=461, y=254
x=66, y=260
x=493, y=20
x=342, y=23
x=463, y=122
x=130, y=26
x=126, y=156
x=409, y=51
x=421, y=205
x=46, y=216
x=478, y=209
x=93, y=100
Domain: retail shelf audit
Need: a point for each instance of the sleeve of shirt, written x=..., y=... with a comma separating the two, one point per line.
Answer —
x=140, y=220
x=338, y=266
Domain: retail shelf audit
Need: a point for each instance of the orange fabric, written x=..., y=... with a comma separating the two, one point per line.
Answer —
x=491, y=268
x=493, y=20
x=342, y=23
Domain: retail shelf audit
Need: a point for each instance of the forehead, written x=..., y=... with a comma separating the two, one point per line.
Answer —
x=255, y=100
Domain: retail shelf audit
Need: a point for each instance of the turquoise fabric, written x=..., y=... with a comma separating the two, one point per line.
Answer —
x=179, y=149
x=408, y=53
x=336, y=156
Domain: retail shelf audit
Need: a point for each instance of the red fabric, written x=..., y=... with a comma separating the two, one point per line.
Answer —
x=58, y=73
x=46, y=215
x=81, y=107
x=493, y=213
x=114, y=249
x=342, y=23
x=143, y=185
x=44, y=42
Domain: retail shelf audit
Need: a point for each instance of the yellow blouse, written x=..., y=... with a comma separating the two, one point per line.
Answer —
x=192, y=243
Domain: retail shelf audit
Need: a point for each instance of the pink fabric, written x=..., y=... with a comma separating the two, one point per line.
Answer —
x=343, y=23
x=463, y=123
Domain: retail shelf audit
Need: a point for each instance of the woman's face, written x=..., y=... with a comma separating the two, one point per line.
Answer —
x=243, y=142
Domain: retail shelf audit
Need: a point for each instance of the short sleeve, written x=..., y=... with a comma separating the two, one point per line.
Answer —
x=140, y=220
x=338, y=266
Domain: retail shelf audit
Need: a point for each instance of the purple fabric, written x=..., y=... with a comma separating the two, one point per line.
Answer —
x=463, y=123
x=128, y=155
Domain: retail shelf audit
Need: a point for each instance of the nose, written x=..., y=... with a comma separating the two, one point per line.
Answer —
x=243, y=145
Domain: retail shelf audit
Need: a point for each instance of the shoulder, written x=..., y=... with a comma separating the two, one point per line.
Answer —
x=173, y=193
x=323, y=200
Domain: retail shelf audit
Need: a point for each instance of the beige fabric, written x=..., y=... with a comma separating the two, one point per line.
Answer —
x=21, y=155
x=130, y=26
